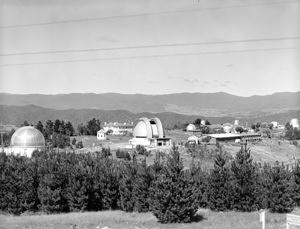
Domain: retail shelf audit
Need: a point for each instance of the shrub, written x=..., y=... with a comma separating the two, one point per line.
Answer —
x=141, y=150
x=74, y=141
x=173, y=195
x=79, y=145
x=123, y=154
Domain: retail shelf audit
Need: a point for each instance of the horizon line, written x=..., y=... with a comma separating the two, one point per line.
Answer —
x=145, y=94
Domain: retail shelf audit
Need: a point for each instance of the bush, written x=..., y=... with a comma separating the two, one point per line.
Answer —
x=74, y=141
x=123, y=155
x=173, y=194
x=79, y=145
x=141, y=150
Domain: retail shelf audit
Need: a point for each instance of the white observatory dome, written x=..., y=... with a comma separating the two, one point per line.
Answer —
x=26, y=140
x=191, y=127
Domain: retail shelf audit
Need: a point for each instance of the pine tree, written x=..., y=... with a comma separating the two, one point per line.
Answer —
x=40, y=126
x=282, y=190
x=53, y=182
x=127, y=179
x=77, y=191
x=219, y=188
x=296, y=174
x=173, y=195
x=141, y=187
x=244, y=181
x=109, y=183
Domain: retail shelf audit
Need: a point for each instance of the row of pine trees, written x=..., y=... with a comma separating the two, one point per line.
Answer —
x=62, y=182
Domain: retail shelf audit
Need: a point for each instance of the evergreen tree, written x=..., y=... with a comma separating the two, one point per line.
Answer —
x=244, y=181
x=69, y=129
x=127, y=179
x=56, y=126
x=49, y=128
x=78, y=185
x=281, y=190
x=296, y=174
x=141, y=187
x=40, y=126
x=173, y=195
x=109, y=182
x=93, y=126
x=25, y=123
x=219, y=188
x=53, y=182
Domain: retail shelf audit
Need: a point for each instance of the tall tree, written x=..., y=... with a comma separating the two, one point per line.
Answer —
x=40, y=126
x=244, y=181
x=219, y=189
x=173, y=194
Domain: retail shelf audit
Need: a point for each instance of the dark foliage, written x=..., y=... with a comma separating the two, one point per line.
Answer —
x=219, y=189
x=244, y=181
x=281, y=192
x=173, y=195
x=61, y=182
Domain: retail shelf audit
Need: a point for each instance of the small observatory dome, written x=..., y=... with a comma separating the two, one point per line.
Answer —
x=191, y=127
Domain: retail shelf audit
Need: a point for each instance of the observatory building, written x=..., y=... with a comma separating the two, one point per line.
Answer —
x=149, y=132
x=294, y=123
x=191, y=127
x=26, y=140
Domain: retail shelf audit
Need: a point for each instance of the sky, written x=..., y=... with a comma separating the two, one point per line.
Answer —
x=242, y=68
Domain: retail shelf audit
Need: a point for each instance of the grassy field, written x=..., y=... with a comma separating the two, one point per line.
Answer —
x=122, y=220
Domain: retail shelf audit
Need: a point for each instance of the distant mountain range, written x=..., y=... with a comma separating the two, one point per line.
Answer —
x=18, y=114
x=204, y=104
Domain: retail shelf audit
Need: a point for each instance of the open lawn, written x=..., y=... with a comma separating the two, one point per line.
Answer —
x=122, y=220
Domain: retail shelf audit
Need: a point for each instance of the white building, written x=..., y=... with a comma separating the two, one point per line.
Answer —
x=26, y=140
x=191, y=127
x=274, y=124
x=228, y=127
x=294, y=123
x=149, y=132
x=117, y=128
x=101, y=135
x=193, y=139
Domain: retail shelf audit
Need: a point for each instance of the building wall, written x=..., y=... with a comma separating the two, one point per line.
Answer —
x=23, y=151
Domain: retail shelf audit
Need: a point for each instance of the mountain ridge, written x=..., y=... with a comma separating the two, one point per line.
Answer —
x=208, y=104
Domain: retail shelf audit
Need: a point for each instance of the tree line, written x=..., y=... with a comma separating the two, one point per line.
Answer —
x=55, y=182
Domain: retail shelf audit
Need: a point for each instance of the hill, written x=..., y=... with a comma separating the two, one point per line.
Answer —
x=208, y=104
x=17, y=114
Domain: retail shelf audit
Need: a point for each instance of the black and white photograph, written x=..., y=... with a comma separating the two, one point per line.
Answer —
x=149, y=114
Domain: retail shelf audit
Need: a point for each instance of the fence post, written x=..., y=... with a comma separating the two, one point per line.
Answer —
x=262, y=218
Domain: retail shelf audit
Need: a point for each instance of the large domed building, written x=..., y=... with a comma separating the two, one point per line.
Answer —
x=149, y=132
x=26, y=140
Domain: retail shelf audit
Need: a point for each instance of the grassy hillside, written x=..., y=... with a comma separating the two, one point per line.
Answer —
x=118, y=219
